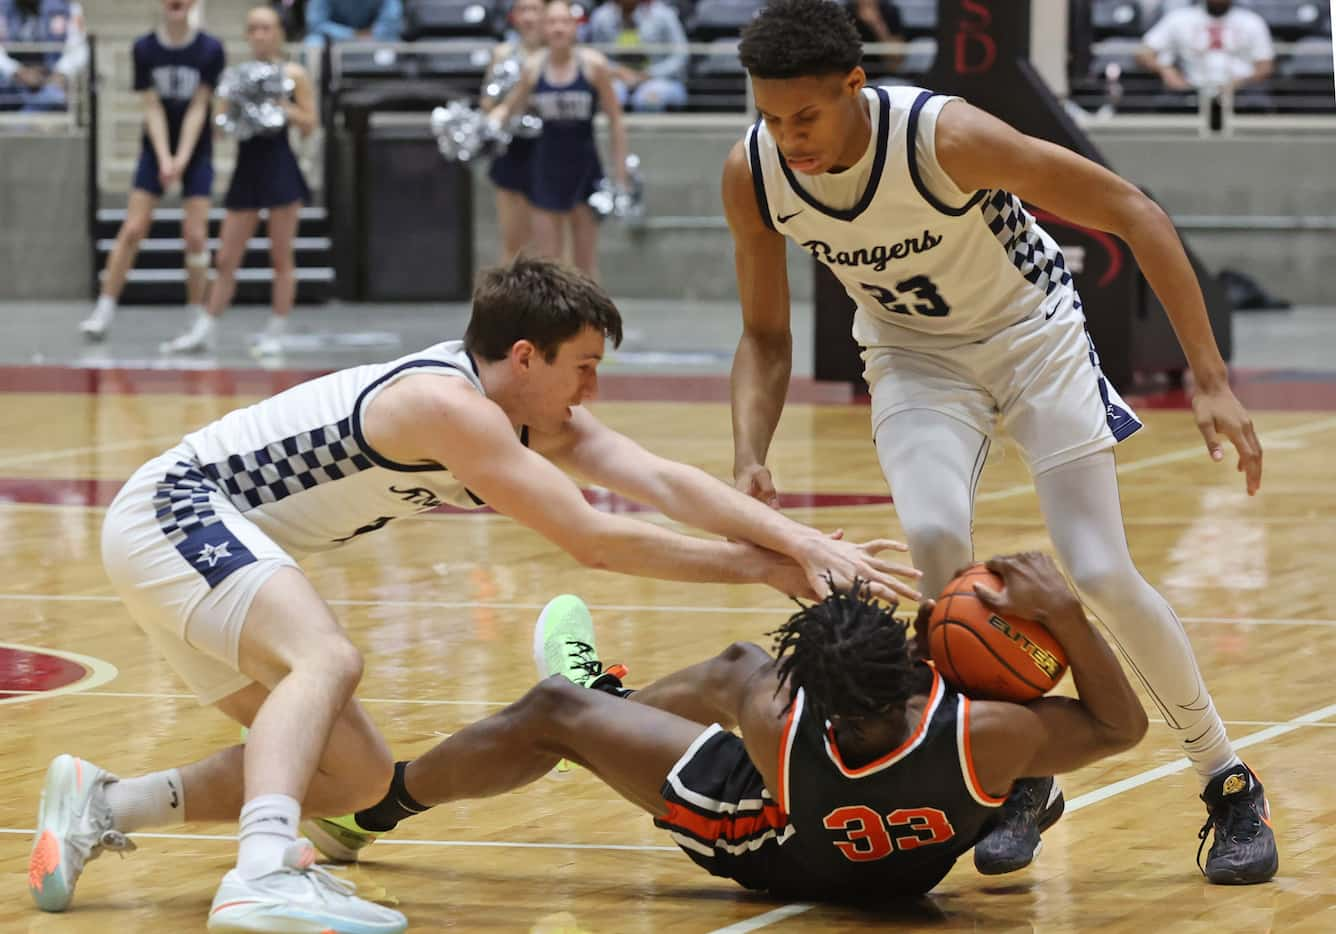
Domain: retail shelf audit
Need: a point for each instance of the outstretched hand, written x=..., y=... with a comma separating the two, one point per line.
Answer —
x=1218, y=412
x=1032, y=588
x=830, y=559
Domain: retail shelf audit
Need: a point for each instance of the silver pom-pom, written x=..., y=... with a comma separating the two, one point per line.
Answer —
x=502, y=78
x=625, y=203
x=255, y=93
x=462, y=133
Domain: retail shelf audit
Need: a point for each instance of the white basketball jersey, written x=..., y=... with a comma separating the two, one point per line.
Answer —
x=922, y=273
x=299, y=466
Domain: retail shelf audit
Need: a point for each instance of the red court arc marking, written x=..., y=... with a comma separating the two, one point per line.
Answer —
x=26, y=670
x=72, y=492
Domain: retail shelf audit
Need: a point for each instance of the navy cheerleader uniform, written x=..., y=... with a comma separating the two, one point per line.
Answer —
x=566, y=169
x=175, y=72
x=513, y=169
x=266, y=174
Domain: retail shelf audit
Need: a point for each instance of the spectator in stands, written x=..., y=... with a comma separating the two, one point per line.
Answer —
x=1216, y=48
x=652, y=82
x=567, y=85
x=878, y=21
x=512, y=172
x=266, y=178
x=346, y=20
x=36, y=81
x=176, y=69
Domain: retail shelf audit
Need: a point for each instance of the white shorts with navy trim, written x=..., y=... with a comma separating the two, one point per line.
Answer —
x=187, y=565
x=1039, y=380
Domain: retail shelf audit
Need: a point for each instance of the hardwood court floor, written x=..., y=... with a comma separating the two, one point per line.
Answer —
x=443, y=608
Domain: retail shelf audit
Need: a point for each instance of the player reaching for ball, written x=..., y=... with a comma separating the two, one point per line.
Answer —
x=881, y=773
x=970, y=322
x=202, y=545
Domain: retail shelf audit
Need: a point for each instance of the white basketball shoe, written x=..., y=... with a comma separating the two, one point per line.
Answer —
x=74, y=826
x=298, y=897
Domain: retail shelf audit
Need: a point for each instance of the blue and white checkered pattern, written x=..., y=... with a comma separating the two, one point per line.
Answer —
x=290, y=466
x=1014, y=227
x=187, y=517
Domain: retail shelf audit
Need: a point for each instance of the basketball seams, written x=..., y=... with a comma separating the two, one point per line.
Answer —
x=1002, y=662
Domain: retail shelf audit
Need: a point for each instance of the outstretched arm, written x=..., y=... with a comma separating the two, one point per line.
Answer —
x=1053, y=734
x=693, y=497
x=764, y=358
x=979, y=151
x=444, y=420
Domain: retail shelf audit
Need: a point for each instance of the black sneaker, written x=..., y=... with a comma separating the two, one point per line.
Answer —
x=1034, y=805
x=1243, y=851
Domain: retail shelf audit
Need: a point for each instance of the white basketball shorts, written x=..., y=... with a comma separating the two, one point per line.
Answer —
x=187, y=565
x=1039, y=380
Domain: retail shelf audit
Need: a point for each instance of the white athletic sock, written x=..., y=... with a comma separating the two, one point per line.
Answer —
x=1080, y=503
x=268, y=825
x=154, y=800
x=277, y=326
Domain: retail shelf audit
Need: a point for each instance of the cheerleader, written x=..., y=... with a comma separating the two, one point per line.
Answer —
x=267, y=177
x=176, y=69
x=566, y=84
x=510, y=172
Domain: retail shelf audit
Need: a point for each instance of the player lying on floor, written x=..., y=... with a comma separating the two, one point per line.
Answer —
x=883, y=774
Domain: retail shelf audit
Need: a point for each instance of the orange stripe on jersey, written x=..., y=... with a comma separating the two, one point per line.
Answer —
x=934, y=696
x=729, y=828
x=967, y=751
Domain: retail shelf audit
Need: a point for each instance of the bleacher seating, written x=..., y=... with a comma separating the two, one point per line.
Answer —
x=438, y=19
x=721, y=19
x=1111, y=18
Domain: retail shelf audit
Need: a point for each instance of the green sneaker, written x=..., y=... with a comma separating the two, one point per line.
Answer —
x=563, y=641
x=339, y=838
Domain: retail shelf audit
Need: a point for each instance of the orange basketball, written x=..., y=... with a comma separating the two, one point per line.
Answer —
x=987, y=655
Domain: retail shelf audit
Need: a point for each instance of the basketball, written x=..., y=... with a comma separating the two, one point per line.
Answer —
x=987, y=655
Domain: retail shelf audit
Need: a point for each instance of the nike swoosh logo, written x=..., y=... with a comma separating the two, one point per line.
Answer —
x=785, y=218
x=1050, y=314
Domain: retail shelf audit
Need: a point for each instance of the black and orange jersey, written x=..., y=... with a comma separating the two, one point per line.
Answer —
x=895, y=825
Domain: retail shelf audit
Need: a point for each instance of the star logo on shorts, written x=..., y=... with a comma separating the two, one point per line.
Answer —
x=212, y=553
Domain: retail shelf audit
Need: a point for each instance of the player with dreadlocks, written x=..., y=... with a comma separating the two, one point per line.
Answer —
x=882, y=774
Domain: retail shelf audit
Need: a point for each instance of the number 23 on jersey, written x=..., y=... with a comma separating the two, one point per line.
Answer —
x=916, y=295
x=867, y=838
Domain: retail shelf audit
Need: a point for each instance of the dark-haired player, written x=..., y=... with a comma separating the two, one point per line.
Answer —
x=859, y=772
x=970, y=322
x=202, y=546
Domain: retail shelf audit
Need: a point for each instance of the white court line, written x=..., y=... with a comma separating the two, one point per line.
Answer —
x=38, y=457
x=1180, y=765
x=676, y=608
x=1076, y=804
x=163, y=695
x=1171, y=457
x=769, y=918
x=390, y=841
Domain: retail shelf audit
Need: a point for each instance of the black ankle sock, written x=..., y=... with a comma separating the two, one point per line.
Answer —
x=610, y=684
x=397, y=805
